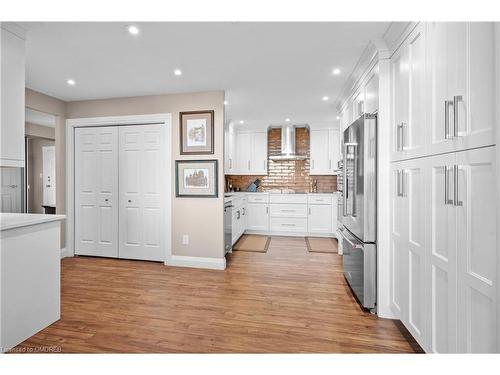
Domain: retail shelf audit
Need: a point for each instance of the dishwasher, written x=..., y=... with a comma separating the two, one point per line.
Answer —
x=228, y=227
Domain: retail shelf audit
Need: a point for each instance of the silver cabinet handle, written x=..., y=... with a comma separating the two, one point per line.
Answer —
x=14, y=186
x=398, y=182
x=309, y=209
x=130, y=201
x=447, y=104
x=330, y=163
x=446, y=185
x=238, y=215
x=456, y=200
x=312, y=162
x=287, y=225
x=403, y=126
x=403, y=182
x=265, y=164
x=267, y=210
x=398, y=128
x=249, y=165
x=230, y=163
x=243, y=210
x=456, y=100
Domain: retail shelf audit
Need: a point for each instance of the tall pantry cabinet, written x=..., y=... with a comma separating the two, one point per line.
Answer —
x=443, y=237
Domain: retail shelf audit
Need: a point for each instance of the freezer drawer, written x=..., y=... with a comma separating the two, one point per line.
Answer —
x=360, y=268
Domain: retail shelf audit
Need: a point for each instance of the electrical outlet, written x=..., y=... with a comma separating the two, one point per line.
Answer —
x=185, y=239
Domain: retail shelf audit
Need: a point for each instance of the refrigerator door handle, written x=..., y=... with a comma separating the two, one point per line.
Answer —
x=354, y=245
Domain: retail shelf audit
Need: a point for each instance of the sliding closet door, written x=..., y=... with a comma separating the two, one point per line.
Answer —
x=142, y=169
x=96, y=191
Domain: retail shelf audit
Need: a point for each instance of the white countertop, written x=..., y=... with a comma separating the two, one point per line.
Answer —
x=11, y=221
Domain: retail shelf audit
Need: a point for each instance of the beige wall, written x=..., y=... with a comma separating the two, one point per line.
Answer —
x=56, y=107
x=200, y=218
x=35, y=152
x=35, y=130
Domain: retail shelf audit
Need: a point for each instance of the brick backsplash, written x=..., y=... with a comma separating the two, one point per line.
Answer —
x=287, y=174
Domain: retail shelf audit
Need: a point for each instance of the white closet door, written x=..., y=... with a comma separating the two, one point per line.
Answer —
x=96, y=191
x=142, y=169
x=477, y=253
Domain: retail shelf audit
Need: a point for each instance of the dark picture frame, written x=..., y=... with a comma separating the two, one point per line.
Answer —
x=196, y=132
x=191, y=175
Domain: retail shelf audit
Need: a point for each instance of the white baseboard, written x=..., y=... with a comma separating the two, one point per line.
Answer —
x=197, y=262
x=64, y=253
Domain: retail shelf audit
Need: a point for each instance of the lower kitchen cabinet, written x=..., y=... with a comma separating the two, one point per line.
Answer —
x=319, y=219
x=258, y=217
x=443, y=250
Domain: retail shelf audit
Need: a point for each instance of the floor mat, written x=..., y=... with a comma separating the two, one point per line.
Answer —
x=322, y=245
x=252, y=242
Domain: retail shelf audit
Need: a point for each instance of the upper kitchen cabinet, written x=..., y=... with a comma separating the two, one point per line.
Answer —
x=324, y=151
x=408, y=69
x=12, y=95
x=249, y=153
x=461, y=56
x=229, y=150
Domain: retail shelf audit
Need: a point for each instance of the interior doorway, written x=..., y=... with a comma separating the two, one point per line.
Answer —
x=40, y=162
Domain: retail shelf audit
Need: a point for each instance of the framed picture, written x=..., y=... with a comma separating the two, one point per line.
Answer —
x=197, y=132
x=196, y=178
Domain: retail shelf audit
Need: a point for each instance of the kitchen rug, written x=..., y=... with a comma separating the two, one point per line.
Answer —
x=252, y=242
x=322, y=245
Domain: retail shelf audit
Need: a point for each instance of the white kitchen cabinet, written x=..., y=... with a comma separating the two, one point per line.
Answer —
x=251, y=153
x=371, y=91
x=258, y=217
x=462, y=85
x=408, y=249
x=444, y=259
x=258, y=160
x=409, y=77
x=477, y=253
x=12, y=98
x=324, y=151
x=229, y=150
x=319, y=220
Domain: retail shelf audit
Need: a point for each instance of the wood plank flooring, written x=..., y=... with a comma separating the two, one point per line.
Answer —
x=284, y=301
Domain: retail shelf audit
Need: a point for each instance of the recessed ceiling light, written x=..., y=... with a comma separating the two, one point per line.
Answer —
x=242, y=122
x=336, y=71
x=178, y=72
x=225, y=102
x=324, y=98
x=71, y=82
x=338, y=117
x=132, y=29
x=287, y=120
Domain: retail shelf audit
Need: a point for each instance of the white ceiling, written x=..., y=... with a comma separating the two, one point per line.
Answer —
x=270, y=71
x=39, y=118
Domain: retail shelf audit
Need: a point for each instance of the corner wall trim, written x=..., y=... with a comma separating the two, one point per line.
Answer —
x=197, y=262
x=64, y=253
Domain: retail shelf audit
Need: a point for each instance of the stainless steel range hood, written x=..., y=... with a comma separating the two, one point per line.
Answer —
x=288, y=145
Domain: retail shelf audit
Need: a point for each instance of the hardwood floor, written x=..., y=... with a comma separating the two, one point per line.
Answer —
x=285, y=300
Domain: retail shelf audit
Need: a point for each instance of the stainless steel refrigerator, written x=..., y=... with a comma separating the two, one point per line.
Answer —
x=359, y=216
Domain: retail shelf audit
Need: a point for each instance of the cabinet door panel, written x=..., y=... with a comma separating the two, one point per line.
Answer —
x=243, y=152
x=477, y=260
x=414, y=189
x=400, y=100
x=481, y=101
x=258, y=162
x=258, y=217
x=399, y=252
x=414, y=132
x=319, y=160
x=320, y=219
x=442, y=257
